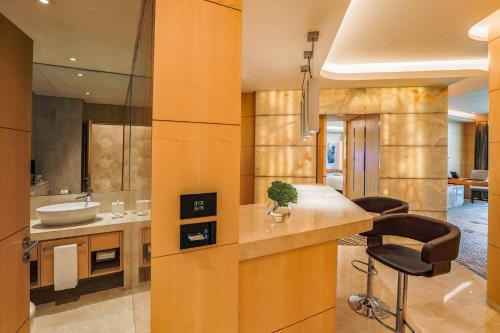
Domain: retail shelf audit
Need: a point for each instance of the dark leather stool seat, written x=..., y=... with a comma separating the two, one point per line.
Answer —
x=401, y=258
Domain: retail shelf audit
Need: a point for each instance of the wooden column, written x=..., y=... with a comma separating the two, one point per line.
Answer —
x=493, y=289
x=195, y=149
x=247, y=160
x=16, y=61
x=321, y=150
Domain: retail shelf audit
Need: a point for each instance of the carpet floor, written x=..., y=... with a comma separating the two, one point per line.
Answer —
x=472, y=220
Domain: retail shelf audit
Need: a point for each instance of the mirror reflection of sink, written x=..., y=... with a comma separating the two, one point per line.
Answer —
x=68, y=213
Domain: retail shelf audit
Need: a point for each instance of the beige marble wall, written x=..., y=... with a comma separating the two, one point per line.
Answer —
x=140, y=161
x=413, y=140
x=280, y=151
x=106, y=157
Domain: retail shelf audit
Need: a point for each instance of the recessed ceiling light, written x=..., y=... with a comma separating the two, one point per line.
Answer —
x=45, y=2
x=87, y=93
x=79, y=74
x=73, y=59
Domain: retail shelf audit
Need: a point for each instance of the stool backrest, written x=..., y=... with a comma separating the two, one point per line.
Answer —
x=382, y=205
x=442, y=239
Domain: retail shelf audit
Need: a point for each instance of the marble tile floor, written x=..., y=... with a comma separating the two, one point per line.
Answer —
x=111, y=311
x=455, y=302
x=449, y=303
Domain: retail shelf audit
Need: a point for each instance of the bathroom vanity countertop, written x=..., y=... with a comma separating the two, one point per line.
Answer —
x=104, y=222
x=321, y=215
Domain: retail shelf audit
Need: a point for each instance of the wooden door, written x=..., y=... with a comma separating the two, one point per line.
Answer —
x=356, y=158
x=15, y=143
x=363, y=141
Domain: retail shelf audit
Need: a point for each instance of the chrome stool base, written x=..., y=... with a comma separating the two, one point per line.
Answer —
x=368, y=307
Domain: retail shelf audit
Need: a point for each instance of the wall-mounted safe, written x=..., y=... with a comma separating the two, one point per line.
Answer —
x=198, y=205
x=198, y=234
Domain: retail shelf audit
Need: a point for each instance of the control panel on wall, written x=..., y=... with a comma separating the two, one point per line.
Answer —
x=195, y=206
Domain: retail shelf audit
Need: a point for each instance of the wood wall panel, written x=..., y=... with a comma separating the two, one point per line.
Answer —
x=494, y=117
x=14, y=177
x=199, y=44
x=196, y=291
x=14, y=282
x=372, y=155
x=196, y=149
x=247, y=159
x=321, y=323
x=321, y=155
x=493, y=214
x=493, y=282
x=16, y=72
x=247, y=192
x=194, y=158
x=493, y=273
x=302, y=281
x=236, y=4
x=494, y=70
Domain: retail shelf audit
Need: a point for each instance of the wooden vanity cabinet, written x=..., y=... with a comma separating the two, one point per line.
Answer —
x=145, y=247
x=47, y=258
x=106, y=242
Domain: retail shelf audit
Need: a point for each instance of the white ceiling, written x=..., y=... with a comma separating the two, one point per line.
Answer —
x=396, y=30
x=274, y=39
x=99, y=34
x=475, y=102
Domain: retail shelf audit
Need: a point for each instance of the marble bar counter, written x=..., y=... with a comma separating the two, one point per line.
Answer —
x=288, y=271
x=321, y=214
x=130, y=226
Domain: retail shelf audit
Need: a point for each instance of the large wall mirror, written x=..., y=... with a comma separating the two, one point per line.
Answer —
x=91, y=120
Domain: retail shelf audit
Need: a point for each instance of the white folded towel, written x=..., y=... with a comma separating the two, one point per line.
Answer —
x=65, y=267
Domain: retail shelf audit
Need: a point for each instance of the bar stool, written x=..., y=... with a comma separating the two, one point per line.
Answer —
x=366, y=304
x=442, y=241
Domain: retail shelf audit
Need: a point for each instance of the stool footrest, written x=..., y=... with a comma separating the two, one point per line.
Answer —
x=354, y=264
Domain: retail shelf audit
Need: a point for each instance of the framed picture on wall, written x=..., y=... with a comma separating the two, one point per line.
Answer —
x=332, y=158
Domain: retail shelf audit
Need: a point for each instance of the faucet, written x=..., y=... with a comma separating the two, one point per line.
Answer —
x=87, y=192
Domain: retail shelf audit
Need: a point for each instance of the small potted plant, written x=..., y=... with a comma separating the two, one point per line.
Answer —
x=282, y=195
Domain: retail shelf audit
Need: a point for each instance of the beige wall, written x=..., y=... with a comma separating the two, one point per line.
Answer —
x=461, y=147
x=413, y=140
x=280, y=151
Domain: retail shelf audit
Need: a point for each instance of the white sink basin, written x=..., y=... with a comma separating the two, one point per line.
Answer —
x=68, y=213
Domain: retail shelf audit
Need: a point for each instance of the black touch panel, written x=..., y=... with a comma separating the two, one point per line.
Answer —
x=198, y=205
x=198, y=234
